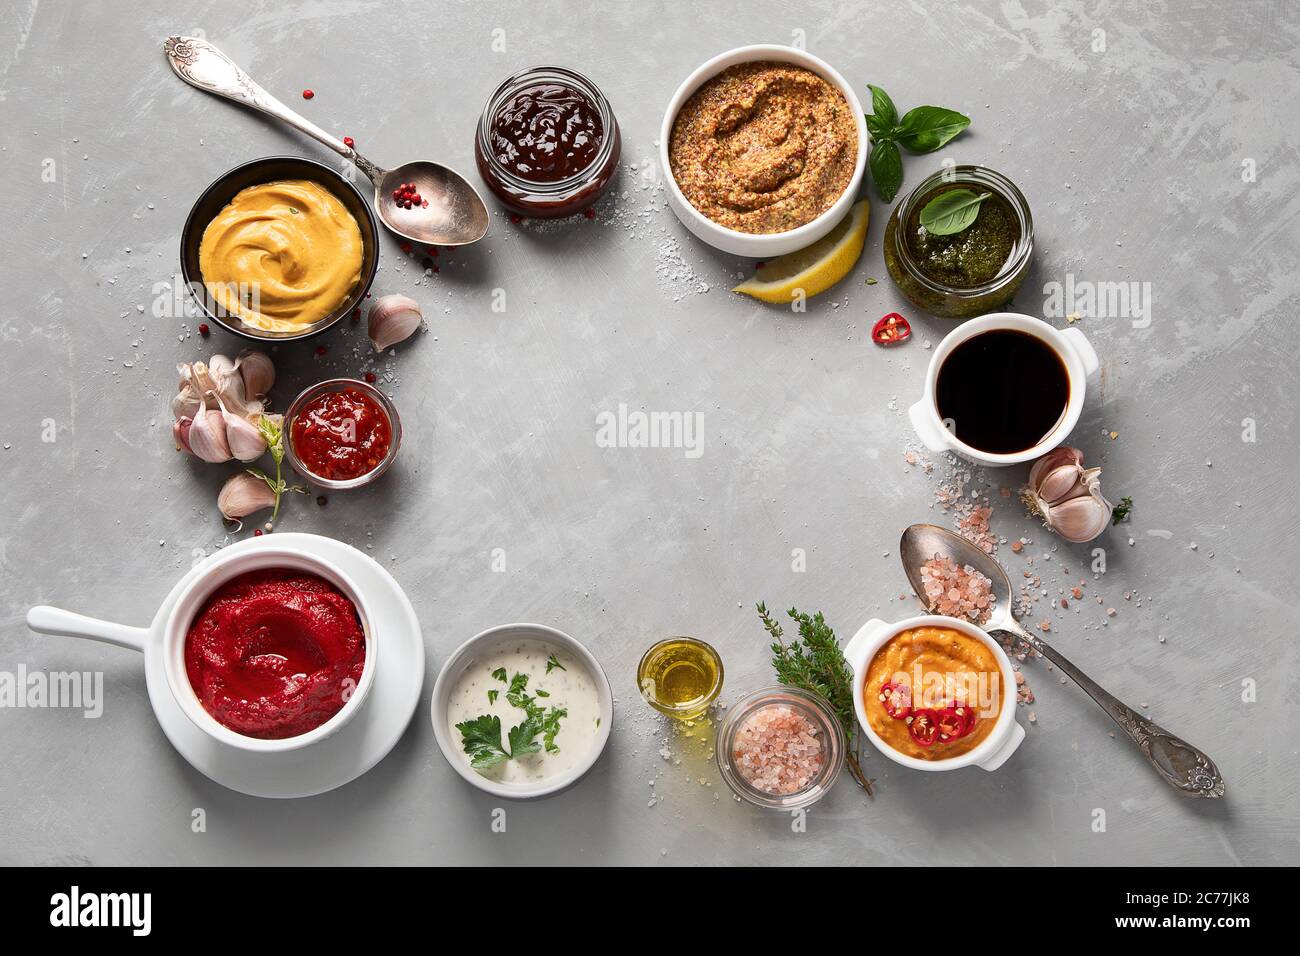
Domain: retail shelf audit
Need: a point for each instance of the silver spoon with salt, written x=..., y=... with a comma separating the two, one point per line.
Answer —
x=1185, y=768
x=451, y=212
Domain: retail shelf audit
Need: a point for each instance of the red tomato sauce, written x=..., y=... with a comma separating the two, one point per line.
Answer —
x=341, y=435
x=275, y=653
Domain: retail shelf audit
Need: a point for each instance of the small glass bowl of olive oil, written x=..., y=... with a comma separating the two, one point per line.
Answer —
x=680, y=677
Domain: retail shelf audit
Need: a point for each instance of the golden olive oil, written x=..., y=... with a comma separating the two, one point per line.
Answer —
x=680, y=677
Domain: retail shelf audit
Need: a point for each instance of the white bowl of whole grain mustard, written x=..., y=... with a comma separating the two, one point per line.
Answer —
x=742, y=174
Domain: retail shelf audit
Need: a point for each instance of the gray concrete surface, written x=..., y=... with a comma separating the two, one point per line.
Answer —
x=1161, y=150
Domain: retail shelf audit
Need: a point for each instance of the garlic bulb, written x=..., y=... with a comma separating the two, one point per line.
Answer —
x=393, y=319
x=242, y=495
x=207, y=435
x=258, y=372
x=1068, y=496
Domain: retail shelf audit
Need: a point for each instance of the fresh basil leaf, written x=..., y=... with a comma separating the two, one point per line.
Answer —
x=886, y=168
x=522, y=737
x=883, y=113
x=927, y=128
x=952, y=211
x=481, y=738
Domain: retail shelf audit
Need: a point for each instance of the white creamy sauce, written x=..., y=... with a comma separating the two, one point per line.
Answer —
x=571, y=688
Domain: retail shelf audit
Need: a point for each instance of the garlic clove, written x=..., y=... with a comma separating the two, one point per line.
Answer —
x=1058, y=457
x=1058, y=484
x=393, y=319
x=1080, y=519
x=186, y=402
x=258, y=372
x=228, y=383
x=242, y=495
x=207, y=435
x=181, y=434
x=245, y=440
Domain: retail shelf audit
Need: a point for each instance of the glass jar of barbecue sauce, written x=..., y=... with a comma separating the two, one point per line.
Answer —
x=548, y=143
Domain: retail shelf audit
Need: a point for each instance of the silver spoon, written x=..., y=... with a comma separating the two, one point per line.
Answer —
x=455, y=215
x=1182, y=766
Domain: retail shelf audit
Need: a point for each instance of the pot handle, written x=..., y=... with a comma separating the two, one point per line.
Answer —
x=933, y=436
x=1000, y=756
x=856, y=647
x=1080, y=346
x=52, y=620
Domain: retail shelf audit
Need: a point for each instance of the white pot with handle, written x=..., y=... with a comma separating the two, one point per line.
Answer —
x=993, y=751
x=1071, y=345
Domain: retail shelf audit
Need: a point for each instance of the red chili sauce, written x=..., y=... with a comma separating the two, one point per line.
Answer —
x=341, y=435
x=275, y=653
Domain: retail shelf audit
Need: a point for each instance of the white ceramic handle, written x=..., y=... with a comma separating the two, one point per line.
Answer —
x=856, y=647
x=1079, y=344
x=52, y=620
x=924, y=421
x=999, y=756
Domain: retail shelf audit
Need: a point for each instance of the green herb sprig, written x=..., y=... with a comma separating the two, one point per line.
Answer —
x=923, y=129
x=271, y=428
x=815, y=662
x=1121, y=510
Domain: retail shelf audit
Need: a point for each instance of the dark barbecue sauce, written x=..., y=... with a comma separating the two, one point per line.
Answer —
x=546, y=132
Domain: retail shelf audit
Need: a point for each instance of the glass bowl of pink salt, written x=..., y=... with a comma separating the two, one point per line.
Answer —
x=781, y=747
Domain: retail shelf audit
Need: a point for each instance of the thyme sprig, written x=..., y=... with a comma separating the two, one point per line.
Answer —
x=815, y=662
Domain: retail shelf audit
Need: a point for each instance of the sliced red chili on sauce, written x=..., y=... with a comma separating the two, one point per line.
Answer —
x=955, y=721
x=924, y=726
x=891, y=330
x=897, y=699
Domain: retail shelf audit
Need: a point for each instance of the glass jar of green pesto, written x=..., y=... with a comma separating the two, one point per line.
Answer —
x=970, y=272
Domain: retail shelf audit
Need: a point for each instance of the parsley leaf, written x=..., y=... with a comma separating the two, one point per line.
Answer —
x=493, y=695
x=500, y=674
x=481, y=738
x=523, y=737
x=552, y=664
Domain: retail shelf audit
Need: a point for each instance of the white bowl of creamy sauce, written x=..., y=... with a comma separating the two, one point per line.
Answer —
x=522, y=710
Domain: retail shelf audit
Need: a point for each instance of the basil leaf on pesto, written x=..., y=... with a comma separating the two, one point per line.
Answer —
x=951, y=211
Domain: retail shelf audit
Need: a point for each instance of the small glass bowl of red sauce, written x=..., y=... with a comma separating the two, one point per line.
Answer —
x=548, y=143
x=342, y=433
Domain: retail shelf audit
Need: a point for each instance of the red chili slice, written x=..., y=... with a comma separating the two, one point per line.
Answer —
x=897, y=699
x=891, y=330
x=955, y=722
x=924, y=726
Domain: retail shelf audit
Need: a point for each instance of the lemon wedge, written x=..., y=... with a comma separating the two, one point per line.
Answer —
x=816, y=268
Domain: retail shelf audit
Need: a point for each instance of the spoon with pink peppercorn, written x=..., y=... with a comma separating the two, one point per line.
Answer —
x=1182, y=766
x=422, y=201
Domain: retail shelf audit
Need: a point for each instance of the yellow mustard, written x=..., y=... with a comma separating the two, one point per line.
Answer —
x=282, y=255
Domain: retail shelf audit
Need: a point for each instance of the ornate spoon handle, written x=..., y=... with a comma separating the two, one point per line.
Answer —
x=203, y=66
x=1185, y=768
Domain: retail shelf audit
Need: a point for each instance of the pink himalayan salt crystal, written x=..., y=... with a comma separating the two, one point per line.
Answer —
x=956, y=591
x=777, y=750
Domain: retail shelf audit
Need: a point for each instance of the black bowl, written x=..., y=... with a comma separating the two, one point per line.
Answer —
x=271, y=169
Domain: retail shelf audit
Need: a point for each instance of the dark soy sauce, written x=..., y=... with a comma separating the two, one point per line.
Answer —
x=1002, y=391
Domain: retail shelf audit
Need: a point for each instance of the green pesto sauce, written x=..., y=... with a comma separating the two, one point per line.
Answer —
x=971, y=257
